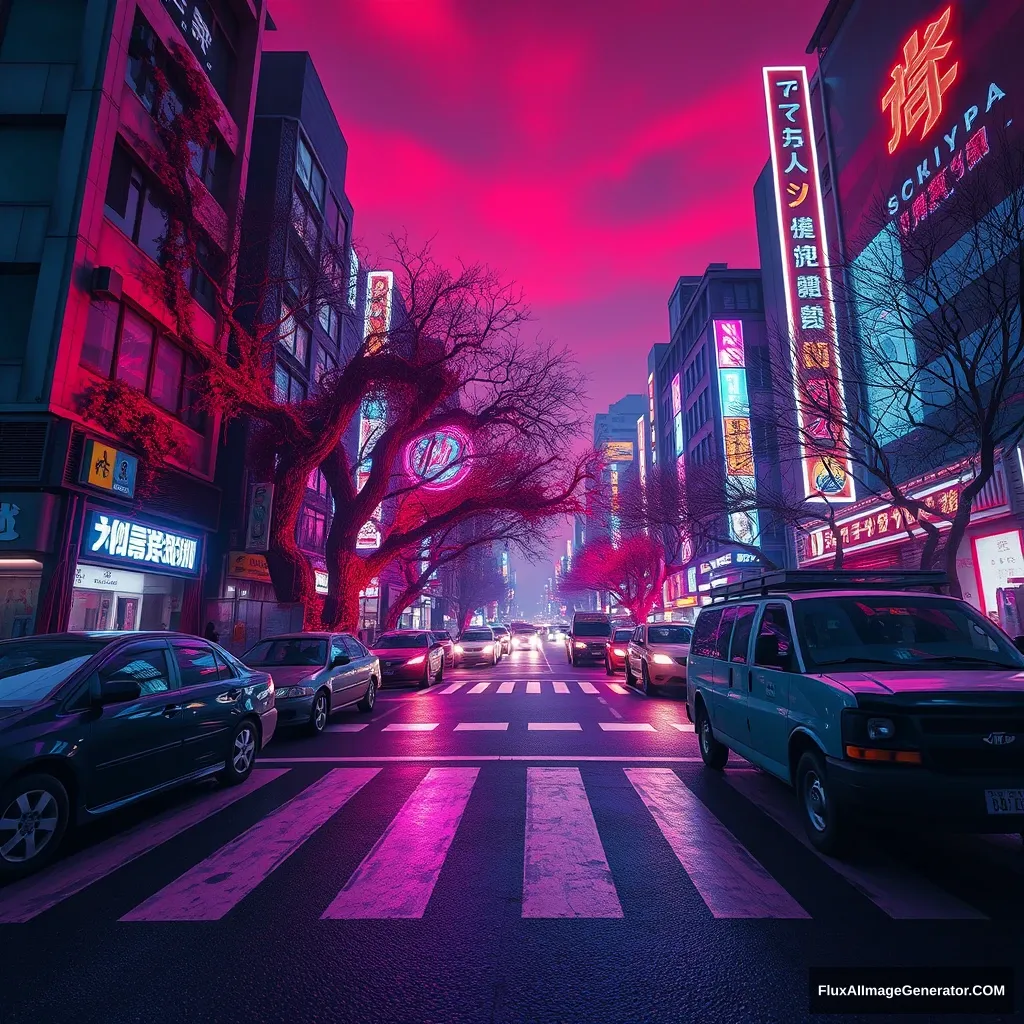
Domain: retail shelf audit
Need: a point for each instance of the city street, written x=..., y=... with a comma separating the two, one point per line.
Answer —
x=528, y=843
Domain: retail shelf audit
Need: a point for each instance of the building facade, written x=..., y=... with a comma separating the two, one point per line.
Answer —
x=92, y=534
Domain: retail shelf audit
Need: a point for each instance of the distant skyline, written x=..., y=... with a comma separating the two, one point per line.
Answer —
x=591, y=152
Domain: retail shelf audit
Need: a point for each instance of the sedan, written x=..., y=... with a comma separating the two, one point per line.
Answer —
x=503, y=638
x=409, y=656
x=656, y=656
x=615, y=653
x=92, y=722
x=444, y=638
x=477, y=646
x=524, y=637
x=316, y=674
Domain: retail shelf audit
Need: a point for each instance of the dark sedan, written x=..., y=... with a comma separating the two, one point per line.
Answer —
x=91, y=722
x=409, y=656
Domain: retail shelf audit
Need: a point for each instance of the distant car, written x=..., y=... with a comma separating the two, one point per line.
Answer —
x=616, y=649
x=524, y=637
x=91, y=722
x=556, y=634
x=444, y=638
x=316, y=674
x=504, y=638
x=586, y=638
x=656, y=656
x=409, y=656
x=477, y=645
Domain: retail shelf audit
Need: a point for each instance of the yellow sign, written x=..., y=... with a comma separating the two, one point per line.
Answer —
x=739, y=454
x=246, y=566
x=618, y=451
x=101, y=467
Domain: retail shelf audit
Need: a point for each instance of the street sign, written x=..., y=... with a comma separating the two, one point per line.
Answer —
x=108, y=469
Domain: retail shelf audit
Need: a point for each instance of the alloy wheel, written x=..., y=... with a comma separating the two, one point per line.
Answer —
x=27, y=825
x=371, y=693
x=320, y=712
x=244, y=750
x=815, y=801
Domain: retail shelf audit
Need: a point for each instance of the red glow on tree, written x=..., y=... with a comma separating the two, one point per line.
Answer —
x=632, y=572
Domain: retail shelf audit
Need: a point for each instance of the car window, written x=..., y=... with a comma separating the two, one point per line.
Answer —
x=725, y=633
x=741, y=633
x=147, y=667
x=352, y=647
x=196, y=665
x=669, y=634
x=32, y=668
x=621, y=635
x=592, y=629
x=291, y=652
x=338, y=648
x=705, y=634
x=774, y=623
x=476, y=635
x=401, y=641
x=226, y=670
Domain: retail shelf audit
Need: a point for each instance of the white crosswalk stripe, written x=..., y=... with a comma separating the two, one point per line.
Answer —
x=479, y=688
x=530, y=686
x=566, y=871
x=559, y=686
x=586, y=687
x=533, y=686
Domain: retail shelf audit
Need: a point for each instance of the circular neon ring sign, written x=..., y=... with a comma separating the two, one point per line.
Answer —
x=439, y=459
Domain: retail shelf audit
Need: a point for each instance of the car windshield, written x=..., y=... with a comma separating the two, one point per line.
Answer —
x=499, y=629
x=622, y=634
x=32, y=669
x=288, y=652
x=904, y=632
x=669, y=634
x=477, y=634
x=400, y=641
x=593, y=629
x=440, y=636
x=524, y=630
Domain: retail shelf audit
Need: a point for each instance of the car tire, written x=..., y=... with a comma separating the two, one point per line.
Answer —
x=714, y=754
x=608, y=667
x=241, y=753
x=645, y=680
x=319, y=713
x=47, y=816
x=370, y=697
x=439, y=678
x=630, y=680
x=425, y=681
x=825, y=818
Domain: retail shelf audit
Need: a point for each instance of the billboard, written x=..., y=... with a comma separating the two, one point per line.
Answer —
x=650, y=410
x=817, y=376
x=439, y=459
x=744, y=527
x=641, y=448
x=618, y=451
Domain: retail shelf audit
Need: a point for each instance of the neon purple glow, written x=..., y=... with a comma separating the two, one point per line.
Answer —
x=439, y=459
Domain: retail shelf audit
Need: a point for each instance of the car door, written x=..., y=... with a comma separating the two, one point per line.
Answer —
x=635, y=651
x=768, y=704
x=700, y=663
x=210, y=693
x=733, y=702
x=136, y=744
x=735, y=657
x=356, y=675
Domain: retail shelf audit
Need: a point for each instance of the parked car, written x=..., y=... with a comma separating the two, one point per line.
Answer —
x=870, y=699
x=444, y=638
x=524, y=636
x=316, y=674
x=656, y=656
x=615, y=650
x=504, y=638
x=409, y=656
x=586, y=638
x=477, y=645
x=91, y=722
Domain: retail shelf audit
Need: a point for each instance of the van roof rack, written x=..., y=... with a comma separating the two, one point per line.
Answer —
x=785, y=581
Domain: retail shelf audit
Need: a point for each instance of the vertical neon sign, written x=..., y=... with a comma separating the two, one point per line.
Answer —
x=641, y=448
x=744, y=527
x=810, y=308
x=677, y=416
x=650, y=409
x=373, y=411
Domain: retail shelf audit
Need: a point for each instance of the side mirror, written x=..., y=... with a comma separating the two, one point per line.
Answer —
x=119, y=690
x=1018, y=642
x=340, y=660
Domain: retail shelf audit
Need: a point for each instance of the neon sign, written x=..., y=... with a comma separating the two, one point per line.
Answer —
x=817, y=378
x=650, y=409
x=917, y=88
x=641, y=448
x=744, y=527
x=439, y=460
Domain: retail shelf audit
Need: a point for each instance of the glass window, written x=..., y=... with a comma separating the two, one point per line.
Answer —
x=147, y=668
x=741, y=633
x=134, y=352
x=592, y=629
x=317, y=186
x=325, y=363
x=152, y=227
x=304, y=162
x=406, y=641
x=287, y=651
x=223, y=666
x=100, y=336
x=669, y=634
x=329, y=321
x=774, y=629
x=294, y=335
x=167, y=372
x=352, y=648
x=725, y=634
x=353, y=277
x=331, y=216
x=705, y=633
x=121, y=201
x=192, y=411
x=305, y=223
x=33, y=668
x=197, y=665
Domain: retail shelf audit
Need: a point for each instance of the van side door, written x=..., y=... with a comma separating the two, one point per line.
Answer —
x=770, y=676
x=736, y=685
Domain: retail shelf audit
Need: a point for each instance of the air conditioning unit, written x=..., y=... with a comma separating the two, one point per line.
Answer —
x=106, y=283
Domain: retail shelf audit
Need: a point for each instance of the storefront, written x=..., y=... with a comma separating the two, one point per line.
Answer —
x=28, y=526
x=135, y=573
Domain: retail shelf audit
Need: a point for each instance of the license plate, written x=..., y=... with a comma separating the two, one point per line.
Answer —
x=1005, y=801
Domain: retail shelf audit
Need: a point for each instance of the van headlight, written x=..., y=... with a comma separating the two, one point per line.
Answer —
x=881, y=728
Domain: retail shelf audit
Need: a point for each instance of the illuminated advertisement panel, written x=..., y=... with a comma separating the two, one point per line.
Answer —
x=618, y=451
x=439, y=460
x=650, y=410
x=677, y=416
x=613, y=473
x=373, y=412
x=641, y=449
x=817, y=377
x=744, y=527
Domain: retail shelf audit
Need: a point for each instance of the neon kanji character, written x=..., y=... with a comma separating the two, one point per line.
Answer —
x=812, y=318
x=869, y=527
x=844, y=532
x=938, y=189
x=883, y=522
x=790, y=111
x=808, y=286
x=917, y=87
x=201, y=31
x=119, y=537
x=788, y=87
x=792, y=138
x=801, y=227
x=794, y=164
x=949, y=502
x=102, y=527
x=898, y=517
x=977, y=147
x=805, y=255
x=137, y=542
x=155, y=546
x=798, y=192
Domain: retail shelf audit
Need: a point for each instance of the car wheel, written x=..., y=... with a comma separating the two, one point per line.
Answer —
x=608, y=667
x=425, y=681
x=645, y=680
x=33, y=819
x=319, y=712
x=241, y=757
x=630, y=681
x=825, y=819
x=440, y=671
x=366, y=704
x=714, y=754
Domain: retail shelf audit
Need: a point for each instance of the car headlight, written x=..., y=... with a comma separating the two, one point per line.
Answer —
x=418, y=660
x=661, y=659
x=580, y=644
x=458, y=649
x=618, y=652
x=881, y=728
x=295, y=691
x=488, y=648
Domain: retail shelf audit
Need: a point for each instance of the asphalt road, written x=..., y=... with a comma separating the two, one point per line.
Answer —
x=530, y=843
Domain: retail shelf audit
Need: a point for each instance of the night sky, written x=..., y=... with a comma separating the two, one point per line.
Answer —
x=591, y=151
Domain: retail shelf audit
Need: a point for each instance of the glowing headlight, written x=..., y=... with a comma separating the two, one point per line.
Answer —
x=661, y=659
x=618, y=652
x=458, y=649
x=295, y=691
x=418, y=660
x=580, y=644
x=488, y=648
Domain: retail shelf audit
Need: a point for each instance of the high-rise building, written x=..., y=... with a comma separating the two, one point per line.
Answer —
x=615, y=441
x=82, y=542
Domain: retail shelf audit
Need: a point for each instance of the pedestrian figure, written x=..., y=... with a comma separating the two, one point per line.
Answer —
x=211, y=633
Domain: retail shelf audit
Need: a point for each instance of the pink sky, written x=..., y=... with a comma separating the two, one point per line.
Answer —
x=593, y=152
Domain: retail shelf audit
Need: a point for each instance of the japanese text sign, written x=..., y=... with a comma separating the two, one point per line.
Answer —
x=106, y=468
x=196, y=25
x=127, y=541
x=379, y=284
x=817, y=378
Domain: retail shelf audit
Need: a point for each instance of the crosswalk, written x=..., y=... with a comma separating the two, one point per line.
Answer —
x=533, y=687
x=564, y=865
x=430, y=727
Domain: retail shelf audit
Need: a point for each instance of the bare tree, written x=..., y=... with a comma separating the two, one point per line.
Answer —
x=475, y=581
x=632, y=570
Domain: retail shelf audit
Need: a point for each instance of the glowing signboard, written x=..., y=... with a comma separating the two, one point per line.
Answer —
x=744, y=527
x=998, y=558
x=440, y=459
x=127, y=541
x=641, y=449
x=618, y=451
x=817, y=377
x=650, y=409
